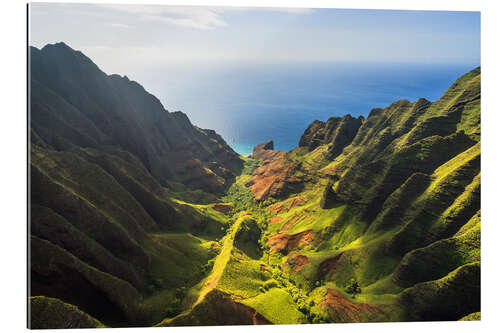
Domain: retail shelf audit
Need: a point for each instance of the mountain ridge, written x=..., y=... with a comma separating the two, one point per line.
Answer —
x=110, y=106
x=140, y=218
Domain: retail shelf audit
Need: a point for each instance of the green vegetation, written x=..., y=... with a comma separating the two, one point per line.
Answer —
x=249, y=166
x=353, y=288
x=240, y=196
x=277, y=306
x=451, y=297
x=141, y=218
x=47, y=312
x=472, y=316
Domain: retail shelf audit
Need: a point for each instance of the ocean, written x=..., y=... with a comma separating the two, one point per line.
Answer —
x=250, y=104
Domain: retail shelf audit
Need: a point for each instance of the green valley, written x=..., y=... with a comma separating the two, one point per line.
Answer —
x=140, y=218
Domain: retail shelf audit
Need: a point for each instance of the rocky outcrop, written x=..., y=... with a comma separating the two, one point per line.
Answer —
x=286, y=205
x=342, y=310
x=296, y=261
x=337, y=132
x=328, y=267
x=329, y=198
x=285, y=243
x=265, y=151
x=224, y=209
x=275, y=175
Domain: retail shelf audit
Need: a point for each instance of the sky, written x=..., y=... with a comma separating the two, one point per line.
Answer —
x=132, y=38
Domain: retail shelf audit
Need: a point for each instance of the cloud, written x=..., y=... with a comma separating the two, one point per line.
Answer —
x=190, y=17
x=118, y=25
x=196, y=17
x=290, y=10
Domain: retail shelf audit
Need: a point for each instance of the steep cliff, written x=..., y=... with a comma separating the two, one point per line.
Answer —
x=374, y=219
x=75, y=104
x=106, y=164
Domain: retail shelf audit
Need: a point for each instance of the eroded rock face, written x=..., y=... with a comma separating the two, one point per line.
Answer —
x=339, y=132
x=275, y=219
x=328, y=267
x=265, y=151
x=329, y=198
x=342, y=310
x=275, y=176
x=297, y=261
x=224, y=209
x=285, y=243
x=285, y=206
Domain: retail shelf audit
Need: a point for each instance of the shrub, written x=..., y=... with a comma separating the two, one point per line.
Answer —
x=241, y=197
x=249, y=166
x=353, y=287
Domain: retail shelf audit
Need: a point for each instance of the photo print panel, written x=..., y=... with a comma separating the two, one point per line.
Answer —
x=194, y=166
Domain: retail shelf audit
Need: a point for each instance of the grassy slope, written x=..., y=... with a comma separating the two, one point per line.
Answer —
x=393, y=229
x=197, y=294
x=51, y=312
x=112, y=222
x=372, y=247
x=277, y=306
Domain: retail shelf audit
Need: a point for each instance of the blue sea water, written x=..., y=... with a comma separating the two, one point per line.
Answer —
x=249, y=104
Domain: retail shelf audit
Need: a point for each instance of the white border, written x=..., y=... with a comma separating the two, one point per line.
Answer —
x=13, y=162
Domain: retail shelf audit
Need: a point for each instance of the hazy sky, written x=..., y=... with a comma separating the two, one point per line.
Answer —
x=123, y=38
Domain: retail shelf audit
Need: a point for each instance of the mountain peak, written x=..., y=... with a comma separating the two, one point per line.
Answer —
x=58, y=45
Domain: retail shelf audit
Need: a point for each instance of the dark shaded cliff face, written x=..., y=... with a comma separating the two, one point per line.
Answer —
x=74, y=104
x=105, y=158
x=336, y=131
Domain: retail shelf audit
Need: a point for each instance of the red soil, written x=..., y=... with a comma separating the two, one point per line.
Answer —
x=343, y=310
x=285, y=243
x=224, y=209
x=287, y=204
x=271, y=179
x=290, y=223
x=297, y=201
x=276, y=208
x=275, y=219
x=296, y=261
x=329, y=266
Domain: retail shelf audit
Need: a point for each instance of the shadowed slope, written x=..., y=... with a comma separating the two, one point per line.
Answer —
x=74, y=104
x=105, y=158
